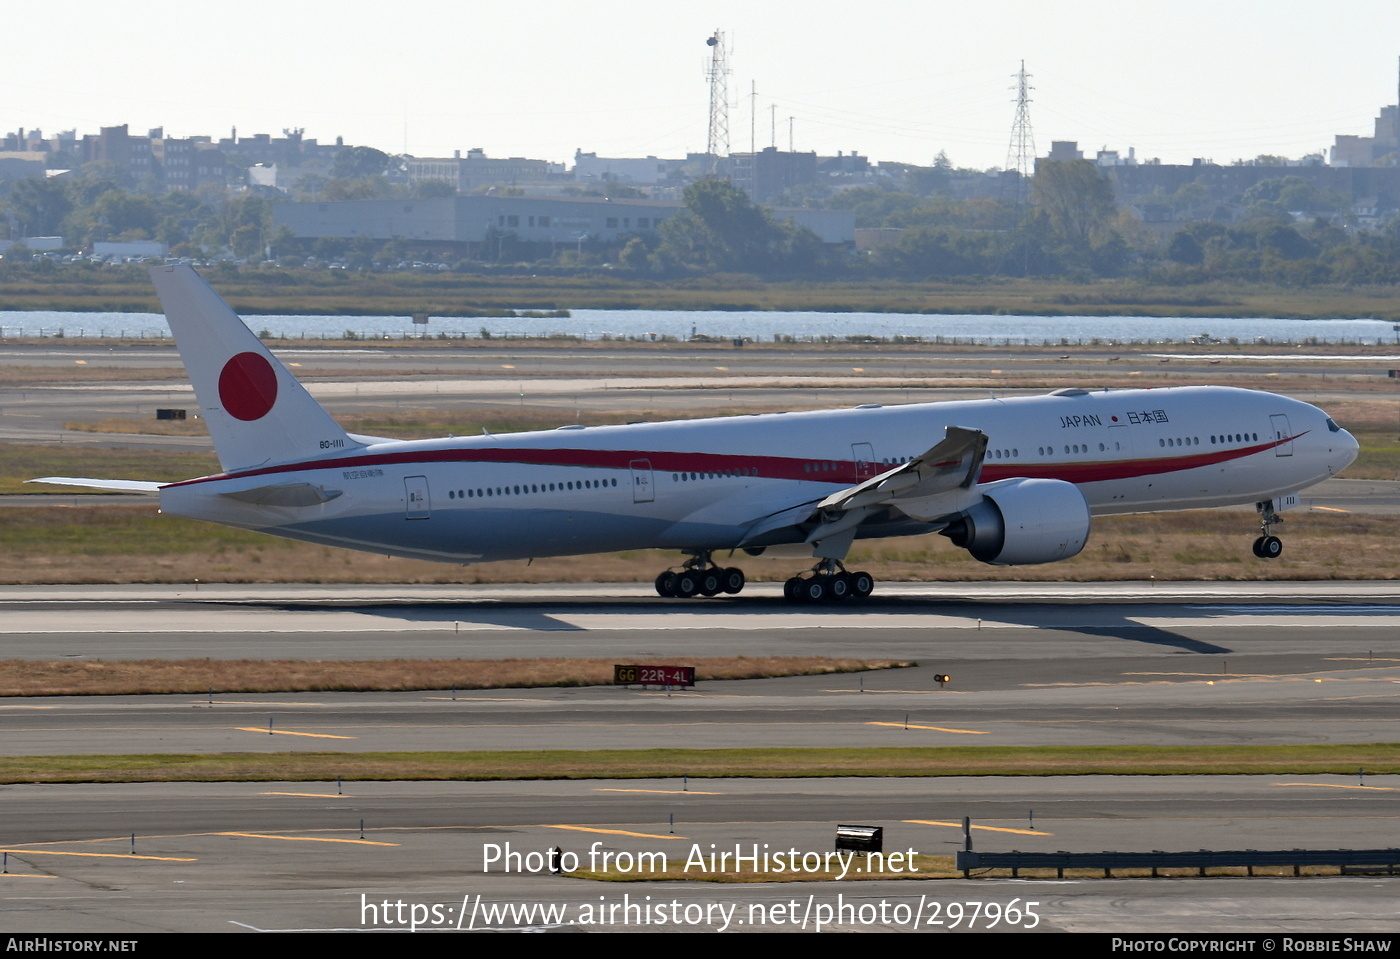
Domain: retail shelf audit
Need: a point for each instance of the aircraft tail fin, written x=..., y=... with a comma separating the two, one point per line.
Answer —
x=256, y=411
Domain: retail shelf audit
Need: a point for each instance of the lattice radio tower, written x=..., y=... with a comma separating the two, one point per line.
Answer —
x=718, y=75
x=1020, y=156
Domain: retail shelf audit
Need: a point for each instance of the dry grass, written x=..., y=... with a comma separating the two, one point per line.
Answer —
x=200, y=676
x=149, y=427
x=132, y=544
x=87, y=373
x=25, y=461
x=760, y=763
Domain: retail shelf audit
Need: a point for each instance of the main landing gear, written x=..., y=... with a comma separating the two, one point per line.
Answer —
x=699, y=577
x=1267, y=546
x=829, y=582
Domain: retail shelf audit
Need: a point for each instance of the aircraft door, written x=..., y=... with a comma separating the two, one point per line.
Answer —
x=642, y=491
x=416, y=503
x=864, y=456
x=1281, y=432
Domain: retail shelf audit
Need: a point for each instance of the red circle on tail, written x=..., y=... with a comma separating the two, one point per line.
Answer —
x=248, y=386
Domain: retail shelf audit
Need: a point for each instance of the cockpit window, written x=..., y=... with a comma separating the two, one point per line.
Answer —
x=1332, y=425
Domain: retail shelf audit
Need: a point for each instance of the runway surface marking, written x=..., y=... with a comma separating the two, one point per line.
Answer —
x=1213, y=675
x=308, y=795
x=940, y=729
x=681, y=695
x=1384, y=789
x=483, y=699
x=251, y=702
x=958, y=825
x=25, y=875
x=1391, y=609
x=611, y=832
x=1331, y=509
x=901, y=692
x=1212, y=679
x=259, y=835
x=94, y=855
x=28, y=707
x=285, y=732
x=252, y=619
x=666, y=792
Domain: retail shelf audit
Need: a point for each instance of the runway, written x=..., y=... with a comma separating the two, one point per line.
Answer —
x=294, y=856
x=1059, y=664
x=1168, y=664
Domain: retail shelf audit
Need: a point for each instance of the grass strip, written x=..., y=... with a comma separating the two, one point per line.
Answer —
x=19, y=677
x=761, y=763
x=265, y=289
x=134, y=544
x=863, y=866
x=944, y=867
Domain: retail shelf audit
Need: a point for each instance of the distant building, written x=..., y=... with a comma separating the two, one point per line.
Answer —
x=634, y=171
x=477, y=171
x=187, y=163
x=19, y=164
x=769, y=173
x=1354, y=151
x=131, y=155
x=472, y=221
x=290, y=149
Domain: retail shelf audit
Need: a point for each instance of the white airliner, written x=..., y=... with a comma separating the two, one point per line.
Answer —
x=1013, y=481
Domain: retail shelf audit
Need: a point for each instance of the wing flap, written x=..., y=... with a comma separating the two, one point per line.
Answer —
x=920, y=489
x=952, y=464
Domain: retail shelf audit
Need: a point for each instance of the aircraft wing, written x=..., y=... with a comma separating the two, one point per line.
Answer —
x=117, y=486
x=952, y=464
x=926, y=488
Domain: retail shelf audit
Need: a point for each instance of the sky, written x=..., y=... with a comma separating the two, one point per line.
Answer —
x=1217, y=79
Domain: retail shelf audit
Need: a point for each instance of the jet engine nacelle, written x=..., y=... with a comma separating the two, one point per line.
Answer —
x=1021, y=522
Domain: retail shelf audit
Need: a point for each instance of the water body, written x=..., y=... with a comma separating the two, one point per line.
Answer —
x=757, y=326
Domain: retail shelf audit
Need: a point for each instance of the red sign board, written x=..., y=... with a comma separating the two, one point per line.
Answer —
x=654, y=675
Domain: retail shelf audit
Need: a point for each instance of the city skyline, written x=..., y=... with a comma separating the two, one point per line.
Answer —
x=623, y=78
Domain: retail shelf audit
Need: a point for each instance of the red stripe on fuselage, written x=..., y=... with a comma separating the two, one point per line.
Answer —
x=768, y=467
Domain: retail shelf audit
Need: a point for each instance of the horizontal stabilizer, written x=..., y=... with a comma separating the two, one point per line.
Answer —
x=114, y=486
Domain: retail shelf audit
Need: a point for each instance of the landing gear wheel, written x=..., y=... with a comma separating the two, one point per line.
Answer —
x=687, y=584
x=710, y=582
x=862, y=585
x=1259, y=547
x=1270, y=547
x=813, y=590
x=790, y=589
x=731, y=580
x=839, y=587
x=666, y=584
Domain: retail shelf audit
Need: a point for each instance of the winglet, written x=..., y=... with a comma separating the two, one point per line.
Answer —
x=255, y=409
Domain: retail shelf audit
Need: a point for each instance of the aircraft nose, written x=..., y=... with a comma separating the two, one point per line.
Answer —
x=1344, y=451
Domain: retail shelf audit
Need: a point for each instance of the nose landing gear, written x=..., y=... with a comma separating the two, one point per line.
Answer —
x=1267, y=546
